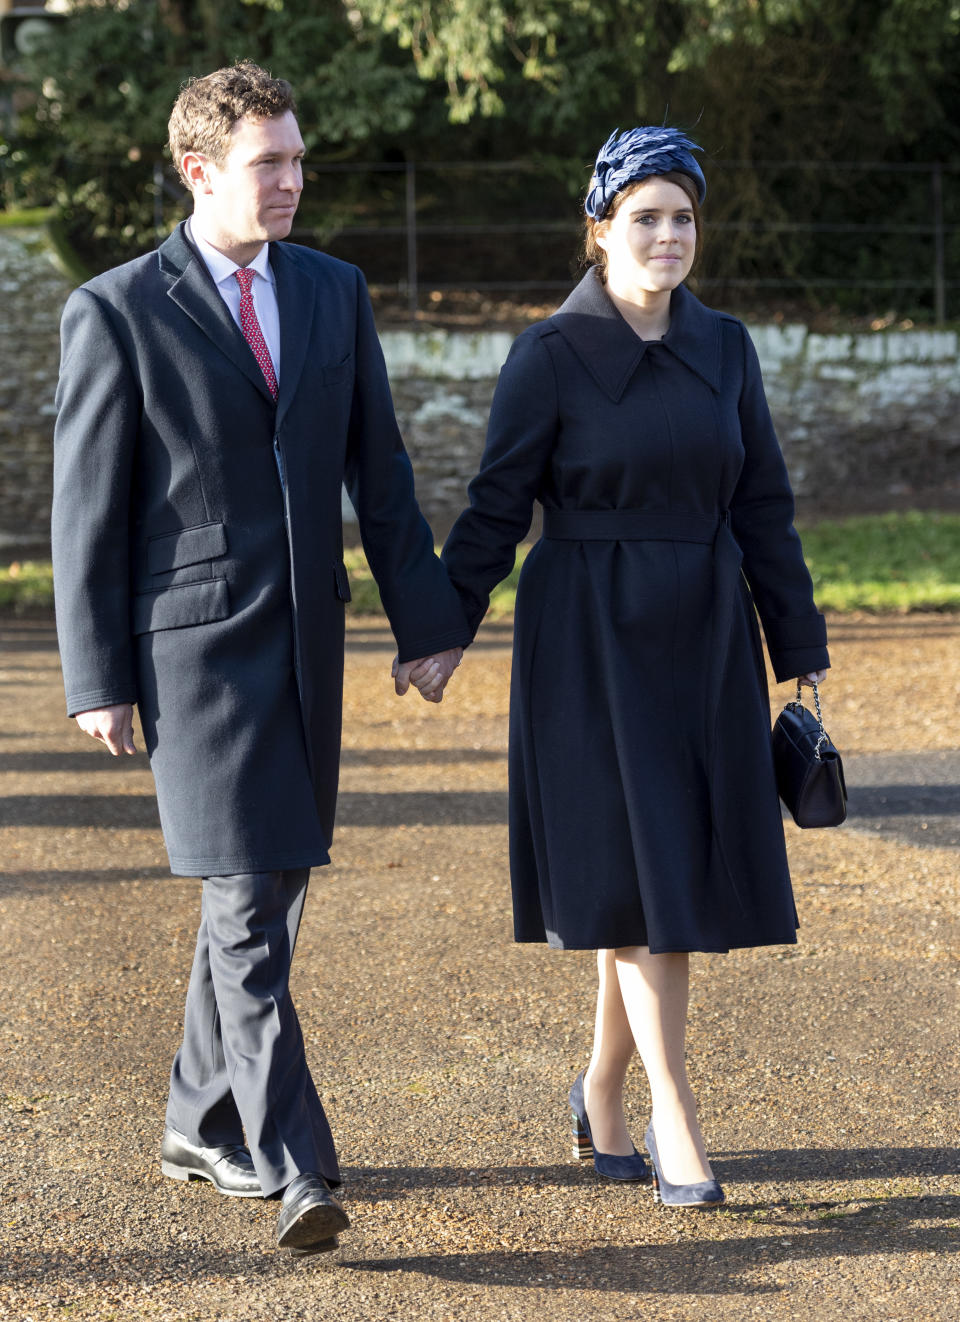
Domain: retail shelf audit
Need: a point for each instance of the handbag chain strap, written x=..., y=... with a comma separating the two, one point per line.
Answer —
x=824, y=737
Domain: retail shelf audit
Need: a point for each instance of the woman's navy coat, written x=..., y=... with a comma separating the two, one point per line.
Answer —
x=643, y=808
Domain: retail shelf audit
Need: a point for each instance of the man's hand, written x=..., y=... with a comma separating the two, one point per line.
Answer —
x=429, y=675
x=113, y=726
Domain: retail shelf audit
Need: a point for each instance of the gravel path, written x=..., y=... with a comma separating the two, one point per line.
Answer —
x=827, y=1072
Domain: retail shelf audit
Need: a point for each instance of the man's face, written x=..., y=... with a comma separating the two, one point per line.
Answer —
x=252, y=196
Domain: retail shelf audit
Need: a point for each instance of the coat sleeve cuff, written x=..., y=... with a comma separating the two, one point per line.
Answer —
x=797, y=646
x=415, y=649
x=94, y=699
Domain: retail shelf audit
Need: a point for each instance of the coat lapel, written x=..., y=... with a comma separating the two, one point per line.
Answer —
x=611, y=350
x=599, y=336
x=695, y=336
x=191, y=287
x=297, y=301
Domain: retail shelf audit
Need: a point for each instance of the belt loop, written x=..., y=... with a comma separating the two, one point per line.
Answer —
x=725, y=518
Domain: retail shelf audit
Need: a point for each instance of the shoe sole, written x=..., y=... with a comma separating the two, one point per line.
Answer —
x=712, y=1202
x=322, y=1246
x=314, y=1228
x=187, y=1173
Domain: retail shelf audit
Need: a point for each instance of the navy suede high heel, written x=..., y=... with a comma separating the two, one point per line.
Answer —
x=607, y=1164
x=705, y=1194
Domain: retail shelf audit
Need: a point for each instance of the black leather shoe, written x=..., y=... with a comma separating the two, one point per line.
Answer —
x=229, y=1168
x=310, y=1217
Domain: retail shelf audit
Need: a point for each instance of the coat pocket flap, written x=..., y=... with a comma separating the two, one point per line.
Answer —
x=186, y=546
x=177, y=607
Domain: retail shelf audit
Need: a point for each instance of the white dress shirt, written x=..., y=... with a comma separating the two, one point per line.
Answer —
x=264, y=289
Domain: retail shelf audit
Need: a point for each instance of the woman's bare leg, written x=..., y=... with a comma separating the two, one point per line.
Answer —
x=655, y=995
x=613, y=1049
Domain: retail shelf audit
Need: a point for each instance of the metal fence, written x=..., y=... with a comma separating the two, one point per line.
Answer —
x=778, y=234
x=419, y=227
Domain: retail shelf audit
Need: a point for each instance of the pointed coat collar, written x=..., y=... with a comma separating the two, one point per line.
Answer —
x=192, y=288
x=611, y=350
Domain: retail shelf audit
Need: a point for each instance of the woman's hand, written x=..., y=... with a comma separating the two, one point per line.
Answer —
x=815, y=677
x=429, y=675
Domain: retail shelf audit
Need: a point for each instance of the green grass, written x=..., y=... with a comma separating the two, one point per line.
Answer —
x=880, y=563
x=363, y=588
x=885, y=563
x=366, y=598
x=26, y=585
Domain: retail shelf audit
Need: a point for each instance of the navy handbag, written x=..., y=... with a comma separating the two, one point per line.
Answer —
x=808, y=767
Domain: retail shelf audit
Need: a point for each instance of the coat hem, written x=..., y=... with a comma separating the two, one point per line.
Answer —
x=554, y=943
x=230, y=867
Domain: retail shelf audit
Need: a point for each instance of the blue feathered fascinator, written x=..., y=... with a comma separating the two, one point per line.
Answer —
x=636, y=154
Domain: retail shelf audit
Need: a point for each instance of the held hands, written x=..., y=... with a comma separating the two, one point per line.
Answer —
x=113, y=726
x=429, y=675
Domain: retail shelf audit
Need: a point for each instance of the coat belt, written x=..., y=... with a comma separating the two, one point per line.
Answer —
x=630, y=526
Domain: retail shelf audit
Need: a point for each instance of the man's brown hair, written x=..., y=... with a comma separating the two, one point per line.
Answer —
x=207, y=108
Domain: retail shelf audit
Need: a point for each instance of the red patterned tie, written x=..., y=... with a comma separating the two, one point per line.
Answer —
x=251, y=327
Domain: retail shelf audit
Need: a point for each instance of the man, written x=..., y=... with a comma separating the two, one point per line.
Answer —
x=213, y=396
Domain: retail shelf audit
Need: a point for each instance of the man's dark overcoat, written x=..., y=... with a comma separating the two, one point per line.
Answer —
x=198, y=545
x=643, y=808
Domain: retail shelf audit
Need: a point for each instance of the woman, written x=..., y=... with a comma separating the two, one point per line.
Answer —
x=644, y=820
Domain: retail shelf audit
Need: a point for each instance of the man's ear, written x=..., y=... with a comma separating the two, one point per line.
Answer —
x=196, y=170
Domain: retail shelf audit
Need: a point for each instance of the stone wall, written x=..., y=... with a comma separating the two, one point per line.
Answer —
x=32, y=293
x=868, y=421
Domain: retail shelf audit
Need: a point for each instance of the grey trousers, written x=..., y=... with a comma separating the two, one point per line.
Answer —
x=242, y=1069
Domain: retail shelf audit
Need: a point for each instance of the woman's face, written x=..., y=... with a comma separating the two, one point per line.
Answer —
x=651, y=239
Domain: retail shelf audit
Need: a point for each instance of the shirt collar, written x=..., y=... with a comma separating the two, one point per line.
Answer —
x=221, y=267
